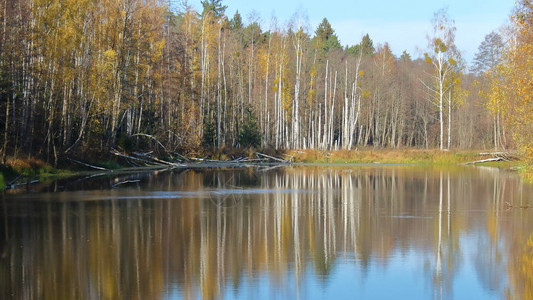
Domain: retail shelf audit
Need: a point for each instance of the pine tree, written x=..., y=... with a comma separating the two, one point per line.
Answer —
x=366, y=45
x=236, y=22
x=215, y=7
x=325, y=38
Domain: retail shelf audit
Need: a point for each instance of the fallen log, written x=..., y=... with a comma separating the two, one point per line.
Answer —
x=273, y=158
x=164, y=162
x=115, y=152
x=124, y=182
x=508, y=156
x=88, y=165
x=181, y=156
x=13, y=186
x=485, y=160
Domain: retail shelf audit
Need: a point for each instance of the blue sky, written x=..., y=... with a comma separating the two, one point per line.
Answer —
x=403, y=24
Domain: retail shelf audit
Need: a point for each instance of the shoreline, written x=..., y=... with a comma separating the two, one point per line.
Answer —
x=33, y=169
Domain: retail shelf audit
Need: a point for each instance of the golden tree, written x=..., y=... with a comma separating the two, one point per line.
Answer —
x=519, y=72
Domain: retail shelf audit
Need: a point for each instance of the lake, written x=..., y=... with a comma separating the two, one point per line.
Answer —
x=301, y=232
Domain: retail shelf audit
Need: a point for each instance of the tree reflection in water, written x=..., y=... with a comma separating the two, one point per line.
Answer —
x=283, y=233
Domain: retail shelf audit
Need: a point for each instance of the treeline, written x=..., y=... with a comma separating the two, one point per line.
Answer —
x=86, y=76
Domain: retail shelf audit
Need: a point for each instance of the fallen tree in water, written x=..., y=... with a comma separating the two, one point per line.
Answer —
x=496, y=156
x=149, y=160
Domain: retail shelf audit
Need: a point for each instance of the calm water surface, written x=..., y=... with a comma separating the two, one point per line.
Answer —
x=290, y=233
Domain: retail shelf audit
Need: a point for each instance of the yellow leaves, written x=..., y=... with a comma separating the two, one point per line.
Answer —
x=313, y=72
x=365, y=94
x=311, y=95
x=110, y=55
x=452, y=61
x=361, y=73
x=428, y=59
x=440, y=46
x=158, y=50
x=512, y=83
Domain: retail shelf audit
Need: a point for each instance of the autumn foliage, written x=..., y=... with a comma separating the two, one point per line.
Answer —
x=87, y=76
x=519, y=78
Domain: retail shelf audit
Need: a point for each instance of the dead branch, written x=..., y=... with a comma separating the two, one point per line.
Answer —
x=506, y=155
x=153, y=138
x=485, y=160
x=164, y=162
x=273, y=158
x=115, y=152
x=87, y=165
x=124, y=182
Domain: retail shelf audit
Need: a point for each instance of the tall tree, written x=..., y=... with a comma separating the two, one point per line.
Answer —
x=325, y=38
x=443, y=58
x=518, y=106
x=213, y=6
x=488, y=65
x=366, y=47
x=490, y=53
x=236, y=22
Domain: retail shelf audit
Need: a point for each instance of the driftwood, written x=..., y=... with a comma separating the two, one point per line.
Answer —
x=12, y=182
x=494, y=153
x=507, y=155
x=261, y=158
x=496, y=156
x=13, y=185
x=164, y=162
x=124, y=182
x=87, y=165
x=115, y=152
x=273, y=158
x=181, y=156
x=150, y=160
x=485, y=160
x=146, y=159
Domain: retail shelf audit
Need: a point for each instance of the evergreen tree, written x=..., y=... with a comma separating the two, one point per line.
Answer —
x=236, y=22
x=250, y=135
x=325, y=38
x=215, y=7
x=406, y=57
x=366, y=45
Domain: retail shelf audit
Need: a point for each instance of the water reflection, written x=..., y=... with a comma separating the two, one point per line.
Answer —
x=304, y=232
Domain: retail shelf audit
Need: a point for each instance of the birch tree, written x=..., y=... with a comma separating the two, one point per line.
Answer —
x=443, y=59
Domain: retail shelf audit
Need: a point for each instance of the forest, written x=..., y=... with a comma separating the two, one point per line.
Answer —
x=87, y=76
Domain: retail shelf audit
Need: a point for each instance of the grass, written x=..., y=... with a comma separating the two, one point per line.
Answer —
x=394, y=156
x=31, y=167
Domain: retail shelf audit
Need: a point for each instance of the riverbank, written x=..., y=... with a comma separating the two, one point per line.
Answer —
x=36, y=169
x=508, y=160
x=395, y=156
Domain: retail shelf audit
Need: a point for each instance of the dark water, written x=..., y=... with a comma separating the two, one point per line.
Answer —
x=294, y=233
